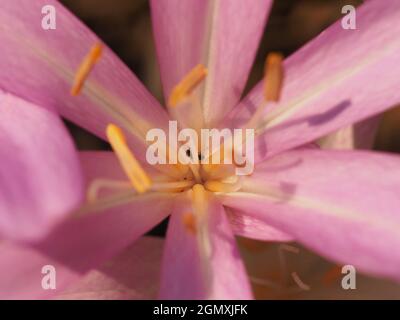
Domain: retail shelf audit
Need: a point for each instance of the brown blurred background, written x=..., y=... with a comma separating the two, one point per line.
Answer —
x=125, y=26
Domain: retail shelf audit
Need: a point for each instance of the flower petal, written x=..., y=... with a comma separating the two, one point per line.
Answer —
x=188, y=274
x=39, y=65
x=222, y=35
x=21, y=273
x=329, y=84
x=76, y=247
x=40, y=174
x=342, y=204
x=250, y=227
x=131, y=275
x=81, y=243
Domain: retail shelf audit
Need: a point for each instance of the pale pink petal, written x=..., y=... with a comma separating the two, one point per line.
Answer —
x=84, y=241
x=133, y=274
x=198, y=268
x=342, y=204
x=105, y=165
x=250, y=227
x=223, y=35
x=21, y=273
x=39, y=65
x=358, y=136
x=76, y=247
x=179, y=29
x=332, y=82
x=40, y=174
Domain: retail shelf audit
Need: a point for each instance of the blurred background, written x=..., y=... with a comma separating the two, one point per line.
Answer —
x=276, y=271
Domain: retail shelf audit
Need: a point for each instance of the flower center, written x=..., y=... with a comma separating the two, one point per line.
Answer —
x=179, y=177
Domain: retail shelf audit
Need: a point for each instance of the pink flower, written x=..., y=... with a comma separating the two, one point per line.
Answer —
x=40, y=175
x=342, y=204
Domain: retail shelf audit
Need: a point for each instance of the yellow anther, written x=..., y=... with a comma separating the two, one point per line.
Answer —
x=187, y=85
x=273, y=76
x=273, y=81
x=189, y=222
x=138, y=177
x=85, y=67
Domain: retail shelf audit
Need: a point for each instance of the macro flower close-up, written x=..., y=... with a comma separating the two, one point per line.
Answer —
x=289, y=159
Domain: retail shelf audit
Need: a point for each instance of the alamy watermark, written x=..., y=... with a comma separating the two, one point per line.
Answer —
x=349, y=21
x=49, y=278
x=207, y=146
x=49, y=20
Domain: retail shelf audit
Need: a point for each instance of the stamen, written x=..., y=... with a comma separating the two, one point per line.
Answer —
x=138, y=177
x=109, y=201
x=195, y=168
x=273, y=80
x=265, y=282
x=86, y=66
x=299, y=282
x=98, y=184
x=187, y=85
x=273, y=77
x=200, y=212
x=212, y=171
x=199, y=200
x=219, y=186
x=173, y=186
x=118, y=199
x=189, y=222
